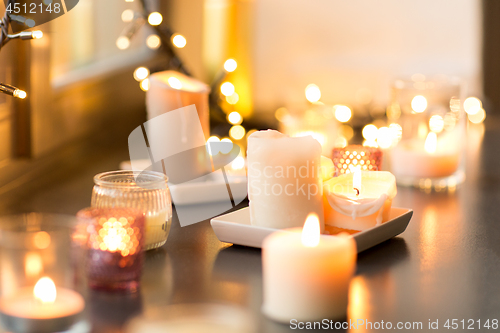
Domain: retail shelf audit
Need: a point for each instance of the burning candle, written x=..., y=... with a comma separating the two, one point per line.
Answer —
x=307, y=275
x=358, y=201
x=43, y=308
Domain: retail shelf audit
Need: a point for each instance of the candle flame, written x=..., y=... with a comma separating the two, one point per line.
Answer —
x=311, y=231
x=45, y=290
x=356, y=180
x=431, y=143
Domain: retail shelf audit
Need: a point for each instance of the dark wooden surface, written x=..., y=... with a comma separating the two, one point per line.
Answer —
x=446, y=265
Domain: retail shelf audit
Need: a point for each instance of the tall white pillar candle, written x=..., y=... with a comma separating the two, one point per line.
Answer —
x=284, y=179
x=306, y=275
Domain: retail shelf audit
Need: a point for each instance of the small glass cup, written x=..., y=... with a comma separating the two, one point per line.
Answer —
x=356, y=156
x=430, y=147
x=147, y=191
x=114, y=239
x=42, y=284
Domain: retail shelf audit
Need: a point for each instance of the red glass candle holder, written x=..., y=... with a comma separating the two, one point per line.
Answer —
x=356, y=156
x=115, y=239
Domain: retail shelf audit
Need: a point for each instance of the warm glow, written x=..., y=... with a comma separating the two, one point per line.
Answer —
x=116, y=235
x=356, y=179
x=155, y=18
x=41, y=240
x=174, y=82
x=145, y=84
x=422, y=130
x=346, y=131
x=237, y=132
x=33, y=264
x=384, y=137
x=230, y=65
x=141, y=73
x=179, y=41
x=45, y=290
x=153, y=42
x=37, y=34
x=213, y=149
x=20, y=94
x=311, y=231
x=313, y=94
x=431, y=143
x=238, y=163
x=396, y=131
x=340, y=142
x=370, y=132
x=436, y=123
x=472, y=105
x=233, y=99
x=317, y=136
x=234, y=118
x=127, y=15
x=419, y=104
x=478, y=117
x=227, y=89
x=342, y=113
x=122, y=43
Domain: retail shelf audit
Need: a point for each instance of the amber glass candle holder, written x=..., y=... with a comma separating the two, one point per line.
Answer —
x=115, y=241
x=352, y=157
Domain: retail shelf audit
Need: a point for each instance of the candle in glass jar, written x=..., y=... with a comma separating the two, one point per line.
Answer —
x=306, y=275
x=430, y=159
x=358, y=201
x=43, y=308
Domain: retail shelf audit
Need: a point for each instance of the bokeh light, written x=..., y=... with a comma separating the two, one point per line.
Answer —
x=141, y=73
x=436, y=123
x=313, y=94
x=145, y=84
x=153, y=42
x=342, y=113
x=179, y=41
x=419, y=104
x=237, y=132
x=155, y=18
x=234, y=118
x=472, y=105
x=233, y=99
x=230, y=65
x=384, y=137
x=370, y=132
x=122, y=43
x=174, y=82
x=227, y=89
x=477, y=117
x=213, y=149
x=127, y=15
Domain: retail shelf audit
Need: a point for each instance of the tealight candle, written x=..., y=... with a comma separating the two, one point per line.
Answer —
x=307, y=275
x=360, y=200
x=43, y=308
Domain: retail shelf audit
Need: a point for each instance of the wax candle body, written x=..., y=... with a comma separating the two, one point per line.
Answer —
x=346, y=209
x=410, y=159
x=306, y=283
x=21, y=312
x=157, y=227
x=284, y=179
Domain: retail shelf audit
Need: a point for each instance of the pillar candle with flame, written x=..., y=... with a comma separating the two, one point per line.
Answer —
x=432, y=158
x=358, y=201
x=307, y=275
x=43, y=308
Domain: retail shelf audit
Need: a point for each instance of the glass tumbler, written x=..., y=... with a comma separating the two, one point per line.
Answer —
x=147, y=191
x=42, y=284
x=431, y=144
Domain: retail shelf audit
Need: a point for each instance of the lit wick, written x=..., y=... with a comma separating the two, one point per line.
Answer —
x=356, y=181
x=357, y=192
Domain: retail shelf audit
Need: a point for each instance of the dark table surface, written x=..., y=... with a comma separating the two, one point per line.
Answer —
x=446, y=265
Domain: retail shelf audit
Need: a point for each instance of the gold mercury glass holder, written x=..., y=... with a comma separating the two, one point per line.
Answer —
x=146, y=191
x=43, y=288
x=429, y=152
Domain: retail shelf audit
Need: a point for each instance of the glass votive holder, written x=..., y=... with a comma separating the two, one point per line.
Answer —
x=147, y=191
x=430, y=148
x=353, y=157
x=41, y=285
x=115, y=238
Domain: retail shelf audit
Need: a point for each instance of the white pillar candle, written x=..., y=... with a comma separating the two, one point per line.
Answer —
x=306, y=275
x=360, y=200
x=430, y=159
x=284, y=179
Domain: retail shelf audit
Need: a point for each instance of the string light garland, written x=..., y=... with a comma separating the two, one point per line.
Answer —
x=5, y=37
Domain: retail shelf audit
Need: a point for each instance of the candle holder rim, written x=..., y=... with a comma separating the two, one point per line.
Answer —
x=105, y=179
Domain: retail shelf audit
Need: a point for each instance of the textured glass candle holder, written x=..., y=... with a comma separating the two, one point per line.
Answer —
x=430, y=149
x=114, y=242
x=352, y=157
x=42, y=284
x=147, y=191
